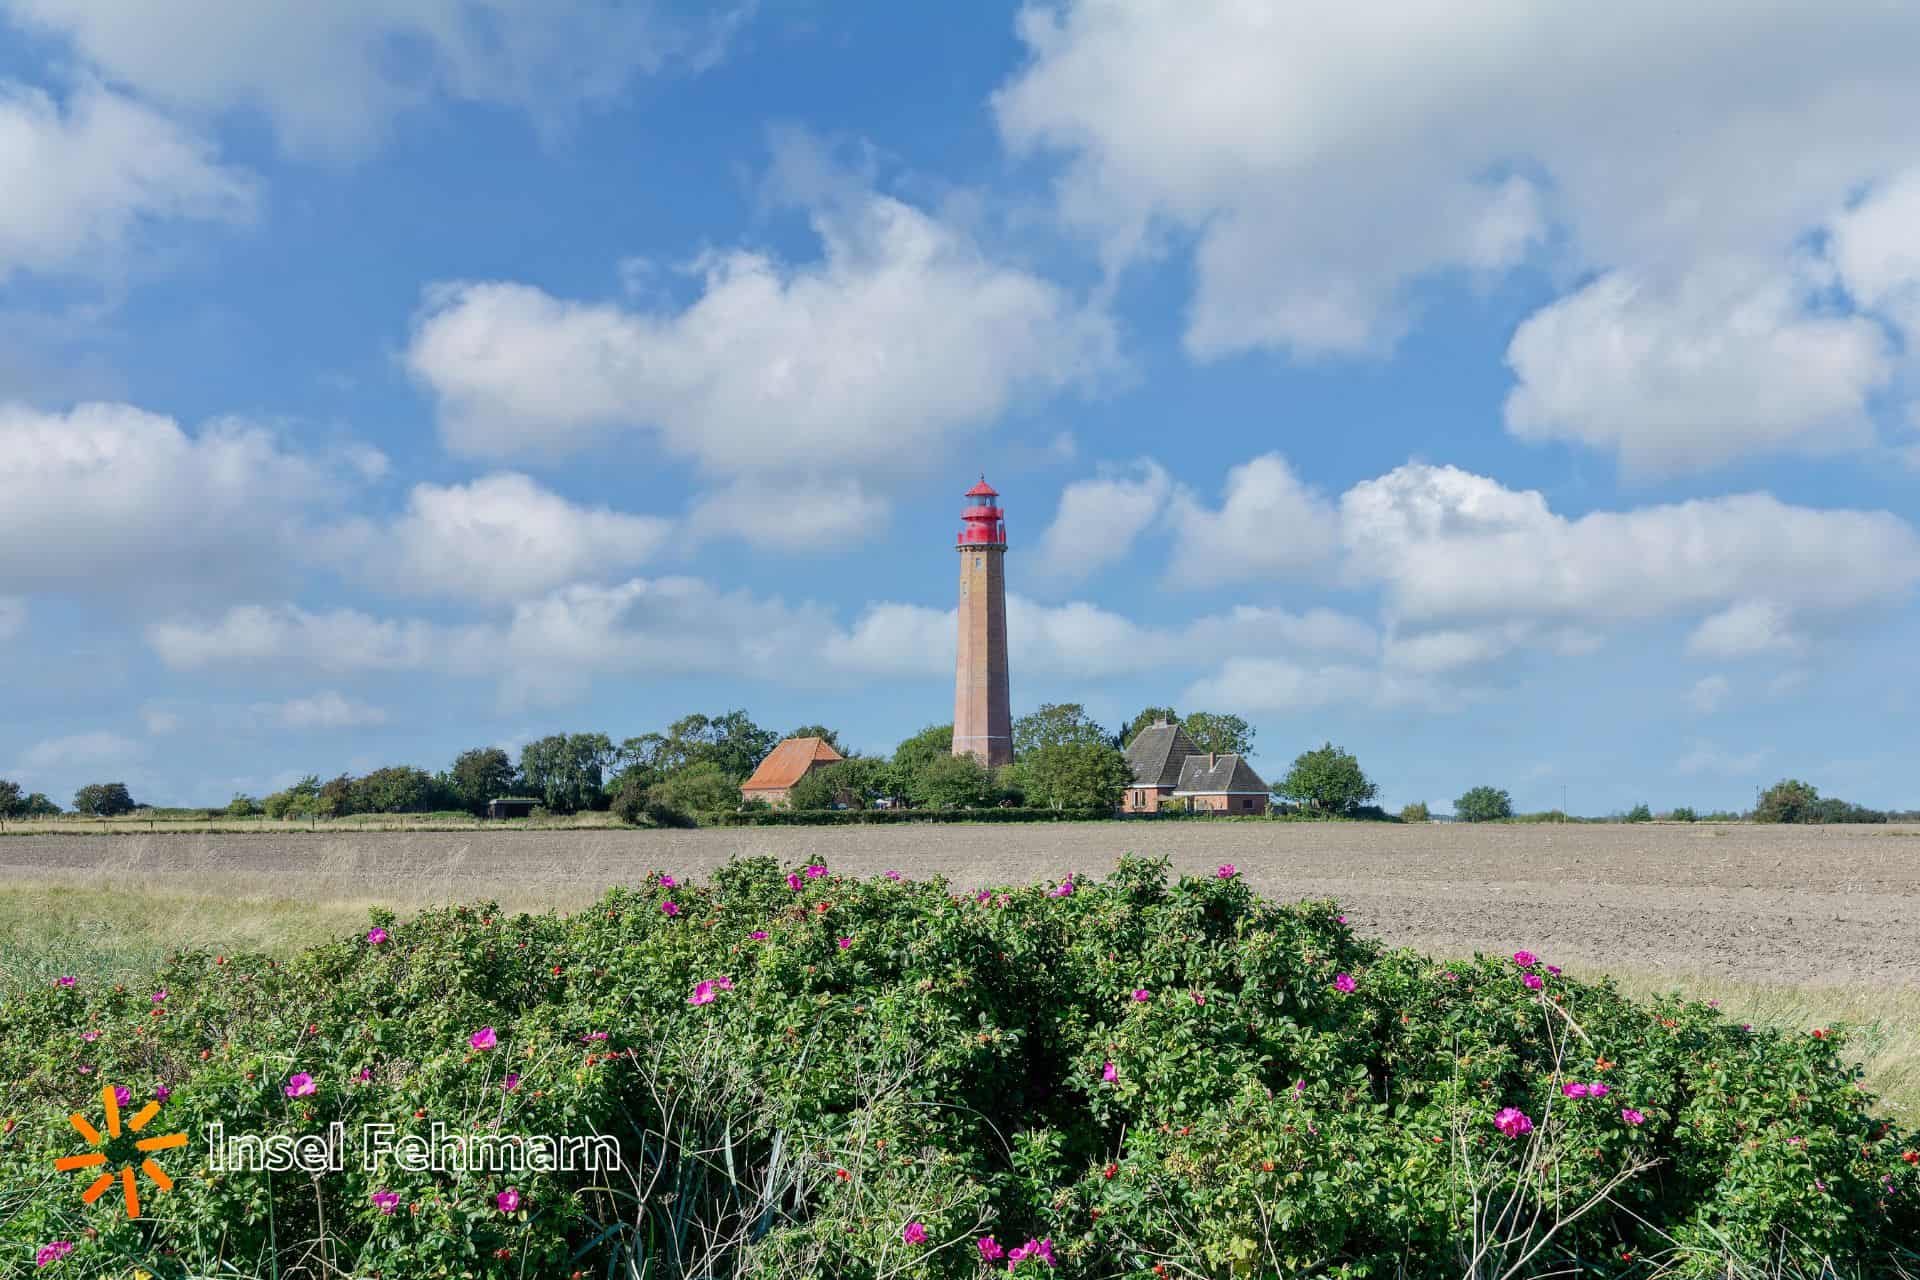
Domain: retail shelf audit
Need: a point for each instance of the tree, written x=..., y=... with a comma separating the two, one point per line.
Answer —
x=819, y=731
x=1147, y=716
x=1326, y=780
x=567, y=770
x=1057, y=724
x=1416, y=812
x=103, y=800
x=242, y=806
x=336, y=798
x=1217, y=731
x=300, y=800
x=732, y=742
x=1074, y=775
x=1788, y=800
x=38, y=806
x=1683, y=814
x=480, y=775
x=951, y=782
x=856, y=781
x=930, y=743
x=397, y=789
x=1483, y=804
x=10, y=799
x=698, y=788
x=1639, y=813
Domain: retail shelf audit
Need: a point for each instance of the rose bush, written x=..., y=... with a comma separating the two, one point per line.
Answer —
x=813, y=1075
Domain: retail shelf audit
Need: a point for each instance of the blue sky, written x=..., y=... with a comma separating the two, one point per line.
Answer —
x=1525, y=398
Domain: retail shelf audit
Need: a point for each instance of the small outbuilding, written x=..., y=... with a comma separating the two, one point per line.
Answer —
x=785, y=765
x=1221, y=783
x=512, y=807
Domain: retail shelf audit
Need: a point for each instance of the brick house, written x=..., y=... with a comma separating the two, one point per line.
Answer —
x=785, y=765
x=1166, y=764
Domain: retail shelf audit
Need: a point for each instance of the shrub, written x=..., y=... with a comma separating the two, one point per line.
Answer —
x=1326, y=780
x=885, y=1052
x=1682, y=814
x=1483, y=804
x=242, y=806
x=1639, y=813
x=1415, y=812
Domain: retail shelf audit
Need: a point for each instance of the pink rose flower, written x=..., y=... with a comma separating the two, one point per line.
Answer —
x=386, y=1201
x=508, y=1200
x=1513, y=1122
x=484, y=1038
x=1534, y=981
x=300, y=1085
x=1109, y=1072
x=914, y=1233
x=1344, y=983
x=1141, y=995
x=1227, y=871
x=1632, y=1117
x=376, y=935
x=990, y=1250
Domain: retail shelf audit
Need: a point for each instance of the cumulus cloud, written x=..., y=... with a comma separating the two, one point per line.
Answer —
x=1324, y=159
x=1875, y=249
x=795, y=512
x=1279, y=685
x=325, y=710
x=99, y=748
x=333, y=75
x=85, y=177
x=1727, y=362
x=160, y=721
x=1447, y=545
x=338, y=641
x=1708, y=694
x=500, y=534
x=1745, y=630
x=1270, y=524
x=1706, y=758
x=1098, y=519
x=109, y=498
x=902, y=335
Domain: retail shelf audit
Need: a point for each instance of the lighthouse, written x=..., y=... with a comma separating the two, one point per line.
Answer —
x=982, y=710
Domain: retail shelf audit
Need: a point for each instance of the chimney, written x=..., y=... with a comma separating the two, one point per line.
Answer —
x=1210, y=760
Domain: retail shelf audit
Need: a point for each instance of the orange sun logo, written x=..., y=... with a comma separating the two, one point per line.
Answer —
x=94, y=1159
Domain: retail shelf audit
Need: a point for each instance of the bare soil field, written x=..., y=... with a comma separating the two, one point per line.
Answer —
x=1825, y=906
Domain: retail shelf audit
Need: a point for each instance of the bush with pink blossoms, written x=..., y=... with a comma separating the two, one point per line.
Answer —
x=974, y=1068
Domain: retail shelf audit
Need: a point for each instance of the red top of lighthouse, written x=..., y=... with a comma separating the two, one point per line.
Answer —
x=982, y=522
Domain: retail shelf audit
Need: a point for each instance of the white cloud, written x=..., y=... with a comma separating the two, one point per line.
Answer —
x=793, y=512
x=1706, y=758
x=1098, y=519
x=1270, y=524
x=97, y=749
x=13, y=617
x=1451, y=545
x=1708, y=694
x=160, y=721
x=340, y=641
x=1278, y=685
x=85, y=178
x=108, y=498
x=1875, y=249
x=324, y=710
x=1745, y=630
x=333, y=75
x=904, y=335
x=1324, y=156
x=502, y=534
x=1729, y=362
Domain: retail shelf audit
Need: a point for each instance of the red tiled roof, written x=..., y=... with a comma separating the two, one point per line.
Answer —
x=787, y=763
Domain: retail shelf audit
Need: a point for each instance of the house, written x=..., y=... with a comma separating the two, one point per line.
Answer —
x=1166, y=764
x=785, y=765
x=511, y=807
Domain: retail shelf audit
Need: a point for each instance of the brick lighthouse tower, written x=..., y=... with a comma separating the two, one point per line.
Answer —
x=982, y=711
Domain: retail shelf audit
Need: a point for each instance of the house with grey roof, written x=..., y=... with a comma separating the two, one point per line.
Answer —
x=1166, y=764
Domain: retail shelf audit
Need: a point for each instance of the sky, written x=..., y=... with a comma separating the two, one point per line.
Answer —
x=1513, y=395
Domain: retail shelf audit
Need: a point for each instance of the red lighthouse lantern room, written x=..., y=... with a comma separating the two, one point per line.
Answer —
x=982, y=522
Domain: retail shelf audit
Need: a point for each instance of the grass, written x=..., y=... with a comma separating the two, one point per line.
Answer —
x=73, y=825
x=49, y=929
